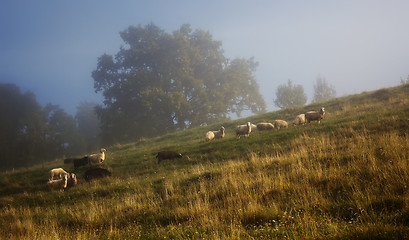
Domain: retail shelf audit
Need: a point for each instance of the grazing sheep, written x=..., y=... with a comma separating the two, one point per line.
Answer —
x=57, y=172
x=280, y=124
x=97, y=158
x=210, y=135
x=243, y=130
x=59, y=184
x=78, y=162
x=264, y=126
x=72, y=180
x=95, y=173
x=299, y=120
x=314, y=115
x=163, y=155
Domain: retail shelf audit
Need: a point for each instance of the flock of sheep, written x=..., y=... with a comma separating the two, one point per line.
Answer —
x=59, y=179
x=246, y=129
x=66, y=180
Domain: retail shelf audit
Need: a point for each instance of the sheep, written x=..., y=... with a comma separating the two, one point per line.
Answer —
x=69, y=160
x=97, y=158
x=78, y=162
x=280, y=124
x=72, y=180
x=57, y=172
x=299, y=120
x=163, y=155
x=243, y=130
x=314, y=115
x=264, y=126
x=59, y=184
x=210, y=135
x=95, y=173
x=253, y=127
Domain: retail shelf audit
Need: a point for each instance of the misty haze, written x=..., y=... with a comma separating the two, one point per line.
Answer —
x=204, y=120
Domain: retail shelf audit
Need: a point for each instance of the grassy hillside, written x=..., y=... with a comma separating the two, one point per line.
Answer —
x=346, y=178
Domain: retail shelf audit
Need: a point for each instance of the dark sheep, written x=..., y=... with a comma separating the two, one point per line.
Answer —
x=69, y=160
x=78, y=162
x=72, y=180
x=95, y=173
x=163, y=155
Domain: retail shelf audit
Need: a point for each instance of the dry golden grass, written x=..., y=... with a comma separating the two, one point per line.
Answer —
x=344, y=179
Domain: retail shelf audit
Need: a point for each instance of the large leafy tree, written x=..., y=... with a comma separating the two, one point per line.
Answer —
x=322, y=90
x=290, y=95
x=159, y=82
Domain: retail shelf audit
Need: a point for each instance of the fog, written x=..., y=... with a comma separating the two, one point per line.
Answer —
x=51, y=47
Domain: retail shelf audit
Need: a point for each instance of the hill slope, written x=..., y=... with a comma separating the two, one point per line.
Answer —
x=344, y=178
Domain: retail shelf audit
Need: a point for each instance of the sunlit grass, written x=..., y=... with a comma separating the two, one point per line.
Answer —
x=346, y=178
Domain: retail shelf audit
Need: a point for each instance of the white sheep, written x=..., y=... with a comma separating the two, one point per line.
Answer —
x=264, y=126
x=243, y=130
x=280, y=124
x=299, y=120
x=314, y=115
x=210, y=135
x=59, y=184
x=253, y=127
x=57, y=172
x=97, y=158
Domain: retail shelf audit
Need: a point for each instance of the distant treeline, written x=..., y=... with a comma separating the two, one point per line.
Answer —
x=31, y=134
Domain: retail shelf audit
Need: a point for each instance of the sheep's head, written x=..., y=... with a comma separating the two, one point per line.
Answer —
x=74, y=178
x=103, y=150
x=222, y=129
x=322, y=111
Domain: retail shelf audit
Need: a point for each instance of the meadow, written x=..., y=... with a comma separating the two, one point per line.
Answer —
x=346, y=178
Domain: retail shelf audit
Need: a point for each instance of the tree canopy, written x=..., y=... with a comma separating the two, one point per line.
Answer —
x=160, y=82
x=31, y=134
x=322, y=90
x=290, y=95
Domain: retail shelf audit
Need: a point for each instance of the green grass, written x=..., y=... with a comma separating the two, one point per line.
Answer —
x=346, y=178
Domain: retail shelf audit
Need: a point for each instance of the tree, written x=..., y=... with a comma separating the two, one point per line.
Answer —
x=290, y=95
x=21, y=128
x=160, y=82
x=88, y=125
x=403, y=81
x=62, y=135
x=322, y=90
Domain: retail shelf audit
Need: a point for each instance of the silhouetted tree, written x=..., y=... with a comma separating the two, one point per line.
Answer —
x=88, y=125
x=322, y=90
x=21, y=128
x=160, y=82
x=62, y=134
x=290, y=95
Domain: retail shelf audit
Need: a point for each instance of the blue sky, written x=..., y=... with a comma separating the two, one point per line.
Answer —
x=51, y=47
